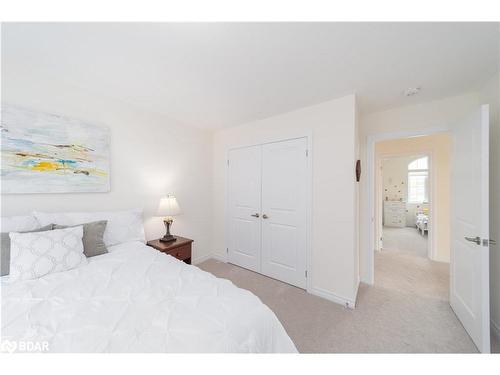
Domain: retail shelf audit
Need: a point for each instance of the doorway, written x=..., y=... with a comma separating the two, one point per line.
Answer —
x=468, y=218
x=412, y=211
x=404, y=188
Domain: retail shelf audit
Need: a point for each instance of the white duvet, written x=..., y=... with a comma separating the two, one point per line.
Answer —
x=136, y=299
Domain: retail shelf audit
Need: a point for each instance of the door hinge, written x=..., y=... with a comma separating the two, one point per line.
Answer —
x=307, y=153
x=227, y=250
x=228, y=162
x=306, y=273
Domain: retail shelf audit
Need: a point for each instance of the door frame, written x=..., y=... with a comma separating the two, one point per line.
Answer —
x=369, y=250
x=309, y=193
x=431, y=242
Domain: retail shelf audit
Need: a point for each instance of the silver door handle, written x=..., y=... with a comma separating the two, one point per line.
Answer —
x=265, y=216
x=487, y=242
x=476, y=240
x=255, y=215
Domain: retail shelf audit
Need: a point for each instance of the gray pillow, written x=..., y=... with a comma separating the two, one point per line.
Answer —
x=5, y=249
x=93, y=244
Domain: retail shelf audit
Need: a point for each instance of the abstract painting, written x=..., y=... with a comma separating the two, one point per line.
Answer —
x=47, y=153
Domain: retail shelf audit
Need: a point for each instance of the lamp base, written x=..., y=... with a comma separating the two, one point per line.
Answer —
x=167, y=238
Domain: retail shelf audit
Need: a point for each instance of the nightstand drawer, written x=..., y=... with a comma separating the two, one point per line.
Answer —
x=181, y=253
x=180, y=248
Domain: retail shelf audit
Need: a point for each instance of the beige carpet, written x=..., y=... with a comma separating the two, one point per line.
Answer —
x=405, y=239
x=406, y=311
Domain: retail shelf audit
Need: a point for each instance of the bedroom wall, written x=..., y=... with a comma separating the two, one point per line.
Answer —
x=332, y=125
x=441, y=113
x=150, y=156
x=439, y=147
x=395, y=177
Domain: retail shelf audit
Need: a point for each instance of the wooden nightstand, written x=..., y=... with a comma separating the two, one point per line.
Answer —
x=180, y=248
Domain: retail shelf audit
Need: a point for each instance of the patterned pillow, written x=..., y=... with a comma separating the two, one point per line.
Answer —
x=5, y=249
x=36, y=254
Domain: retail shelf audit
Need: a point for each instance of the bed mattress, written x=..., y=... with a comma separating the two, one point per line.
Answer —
x=136, y=299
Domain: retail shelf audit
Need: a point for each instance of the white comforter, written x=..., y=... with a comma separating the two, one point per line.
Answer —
x=136, y=299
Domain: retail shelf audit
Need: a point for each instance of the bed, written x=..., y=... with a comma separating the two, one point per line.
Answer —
x=136, y=299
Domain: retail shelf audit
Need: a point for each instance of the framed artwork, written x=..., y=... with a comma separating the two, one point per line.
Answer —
x=47, y=153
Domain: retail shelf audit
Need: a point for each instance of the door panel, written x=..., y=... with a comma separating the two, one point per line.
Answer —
x=469, y=289
x=244, y=200
x=284, y=200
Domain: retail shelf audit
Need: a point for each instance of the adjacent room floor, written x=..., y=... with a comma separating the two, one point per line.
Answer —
x=406, y=311
x=409, y=239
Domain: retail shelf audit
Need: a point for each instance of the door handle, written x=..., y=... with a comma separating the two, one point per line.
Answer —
x=265, y=216
x=476, y=240
x=255, y=215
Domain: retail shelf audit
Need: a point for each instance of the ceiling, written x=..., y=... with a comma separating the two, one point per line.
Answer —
x=214, y=75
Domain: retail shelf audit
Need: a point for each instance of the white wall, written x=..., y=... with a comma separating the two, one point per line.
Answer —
x=395, y=178
x=332, y=125
x=150, y=156
x=489, y=94
x=422, y=117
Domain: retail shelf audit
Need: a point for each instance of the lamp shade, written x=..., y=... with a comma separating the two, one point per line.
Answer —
x=168, y=206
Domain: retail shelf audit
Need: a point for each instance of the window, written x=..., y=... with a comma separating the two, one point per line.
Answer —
x=418, y=180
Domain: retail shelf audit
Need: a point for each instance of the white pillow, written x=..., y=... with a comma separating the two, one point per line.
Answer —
x=19, y=223
x=122, y=226
x=35, y=254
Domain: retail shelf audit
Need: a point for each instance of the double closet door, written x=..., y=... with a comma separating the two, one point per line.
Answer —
x=267, y=209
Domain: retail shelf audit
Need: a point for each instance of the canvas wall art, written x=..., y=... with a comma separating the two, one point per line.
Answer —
x=47, y=153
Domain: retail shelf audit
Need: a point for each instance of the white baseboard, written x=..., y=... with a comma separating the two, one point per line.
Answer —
x=356, y=292
x=220, y=258
x=495, y=329
x=320, y=292
x=201, y=259
x=365, y=280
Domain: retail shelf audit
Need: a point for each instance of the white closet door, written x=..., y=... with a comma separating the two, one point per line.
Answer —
x=244, y=207
x=284, y=202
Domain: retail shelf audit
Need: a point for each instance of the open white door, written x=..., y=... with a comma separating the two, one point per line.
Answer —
x=469, y=289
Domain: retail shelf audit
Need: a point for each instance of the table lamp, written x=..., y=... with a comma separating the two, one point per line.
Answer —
x=167, y=208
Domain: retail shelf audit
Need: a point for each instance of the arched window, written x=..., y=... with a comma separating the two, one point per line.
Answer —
x=418, y=180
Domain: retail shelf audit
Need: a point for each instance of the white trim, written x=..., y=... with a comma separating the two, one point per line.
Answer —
x=485, y=226
x=323, y=293
x=201, y=259
x=356, y=294
x=219, y=258
x=309, y=190
x=495, y=329
x=369, y=275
